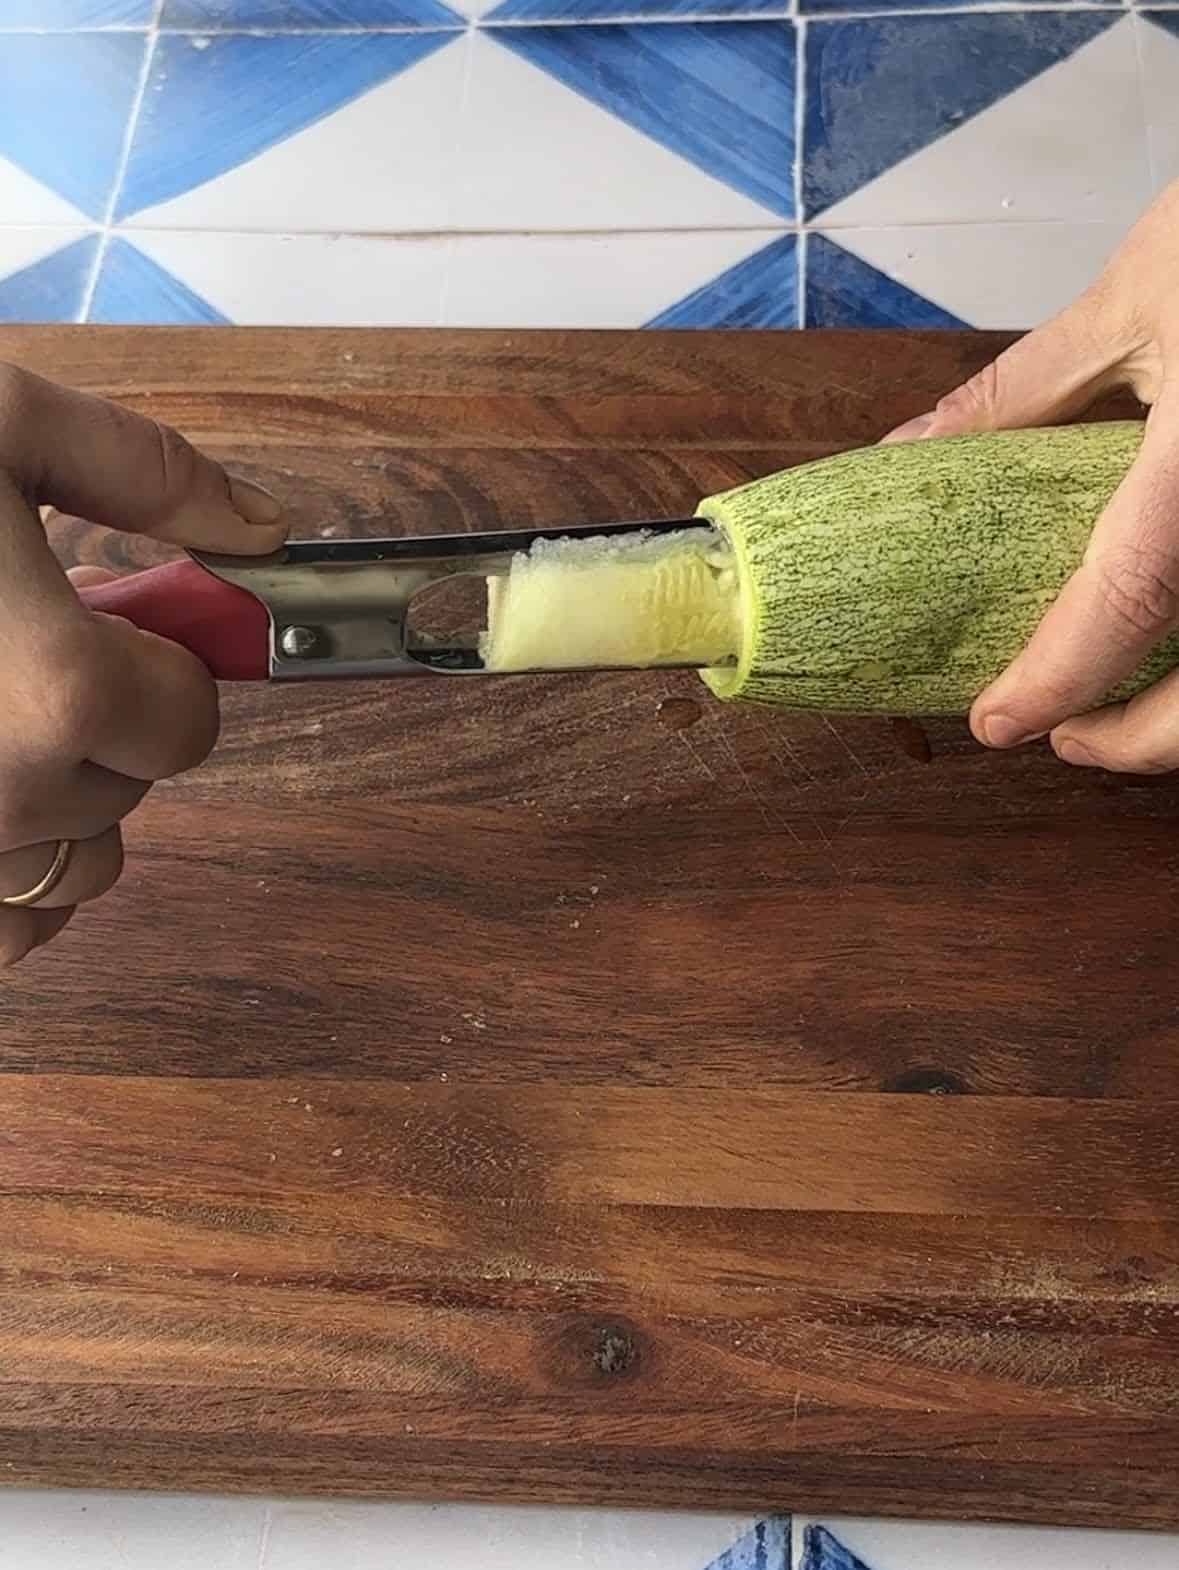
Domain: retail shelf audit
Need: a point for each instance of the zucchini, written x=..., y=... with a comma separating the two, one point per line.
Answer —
x=898, y=579
x=902, y=579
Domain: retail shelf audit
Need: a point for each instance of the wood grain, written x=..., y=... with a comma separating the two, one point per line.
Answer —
x=569, y=1088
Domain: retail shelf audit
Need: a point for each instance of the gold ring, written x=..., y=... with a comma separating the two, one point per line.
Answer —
x=61, y=862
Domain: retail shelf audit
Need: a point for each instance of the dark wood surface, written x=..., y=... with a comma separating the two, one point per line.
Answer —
x=571, y=1089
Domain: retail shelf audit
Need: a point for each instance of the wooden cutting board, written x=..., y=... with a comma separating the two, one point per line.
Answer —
x=571, y=1089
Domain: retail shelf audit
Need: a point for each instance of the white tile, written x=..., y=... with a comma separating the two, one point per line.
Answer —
x=1159, y=49
x=478, y=8
x=384, y=163
x=915, y=1545
x=535, y=155
x=585, y=280
x=469, y=1537
x=20, y=248
x=99, y=1531
x=24, y=200
x=308, y=280
x=990, y=275
x=1069, y=145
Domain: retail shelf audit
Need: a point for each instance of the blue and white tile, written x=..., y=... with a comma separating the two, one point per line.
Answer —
x=860, y=7
x=45, y=274
x=1159, y=39
x=46, y=15
x=972, y=118
x=668, y=279
x=607, y=10
x=65, y=103
x=843, y=291
x=25, y=201
x=592, y=169
x=470, y=1537
x=329, y=132
x=913, y=1545
x=999, y=276
x=291, y=15
x=760, y=291
x=183, y=278
x=718, y=96
x=715, y=279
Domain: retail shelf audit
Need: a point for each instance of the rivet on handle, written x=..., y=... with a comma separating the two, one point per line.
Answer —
x=298, y=643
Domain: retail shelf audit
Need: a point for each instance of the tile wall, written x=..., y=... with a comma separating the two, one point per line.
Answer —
x=598, y=163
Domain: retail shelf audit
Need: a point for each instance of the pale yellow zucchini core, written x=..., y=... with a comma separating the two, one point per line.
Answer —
x=635, y=600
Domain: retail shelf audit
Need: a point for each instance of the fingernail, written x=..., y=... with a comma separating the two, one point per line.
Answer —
x=912, y=430
x=252, y=503
x=1073, y=752
x=1000, y=730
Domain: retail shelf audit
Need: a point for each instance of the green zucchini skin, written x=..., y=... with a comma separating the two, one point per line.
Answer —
x=902, y=579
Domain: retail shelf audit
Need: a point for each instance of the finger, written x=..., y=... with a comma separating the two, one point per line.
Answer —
x=130, y=702
x=94, y=867
x=159, y=714
x=1049, y=376
x=95, y=460
x=22, y=931
x=1139, y=737
x=1111, y=612
x=90, y=577
x=75, y=802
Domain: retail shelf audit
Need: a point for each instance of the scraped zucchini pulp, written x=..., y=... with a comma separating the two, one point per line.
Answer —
x=897, y=579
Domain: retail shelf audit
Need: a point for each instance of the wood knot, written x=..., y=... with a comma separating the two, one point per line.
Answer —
x=595, y=1352
x=615, y=1351
x=926, y=1082
x=1133, y=1271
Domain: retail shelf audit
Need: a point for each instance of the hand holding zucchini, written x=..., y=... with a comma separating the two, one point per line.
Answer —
x=1110, y=625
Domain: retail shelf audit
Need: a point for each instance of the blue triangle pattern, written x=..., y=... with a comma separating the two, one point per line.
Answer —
x=761, y=291
x=603, y=10
x=51, y=290
x=243, y=93
x=822, y=1551
x=1167, y=19
x=720, y=94
x=843, y=291
x=868, y=105
x=75, y=13
x=66, y=101
x=765, y=1547
x=134, y=291
x=281, y=15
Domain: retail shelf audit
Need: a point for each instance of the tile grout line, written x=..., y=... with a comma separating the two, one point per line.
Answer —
x=264, y=1537
x=1139, y=24
x=800, y=249
x=151, y=39
x=464, y=111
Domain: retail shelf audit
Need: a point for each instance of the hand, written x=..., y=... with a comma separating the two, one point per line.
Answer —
x=93, y=709
x=1125, y=598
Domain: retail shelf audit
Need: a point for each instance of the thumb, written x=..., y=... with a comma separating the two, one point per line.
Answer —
x=1050, y=376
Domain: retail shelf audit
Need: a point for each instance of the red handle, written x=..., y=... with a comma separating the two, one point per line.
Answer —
x=226, y=628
